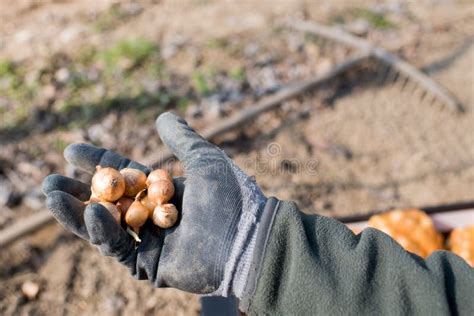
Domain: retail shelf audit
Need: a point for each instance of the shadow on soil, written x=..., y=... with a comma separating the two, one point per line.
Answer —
x=46, y=120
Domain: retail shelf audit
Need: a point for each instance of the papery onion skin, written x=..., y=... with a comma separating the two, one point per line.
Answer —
x=135, y=181
x=161, y=191
x=158, y=174
x=123, y=204
x=136, y=215
x=108, y=184
x=113, y=210
x=165, y=215
x=149, y=205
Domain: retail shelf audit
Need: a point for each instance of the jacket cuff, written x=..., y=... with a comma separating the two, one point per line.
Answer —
x=266, y=223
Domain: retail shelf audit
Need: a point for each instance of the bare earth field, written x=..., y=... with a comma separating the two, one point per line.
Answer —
x=100, y=72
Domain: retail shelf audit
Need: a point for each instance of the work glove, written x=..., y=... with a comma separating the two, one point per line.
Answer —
x=211, y=248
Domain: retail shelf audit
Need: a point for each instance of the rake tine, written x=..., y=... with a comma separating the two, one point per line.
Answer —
x=423, y=96
x=415, y=88
x=404, y=83
x=340, y=36
x=386, y=73
x=392, y=75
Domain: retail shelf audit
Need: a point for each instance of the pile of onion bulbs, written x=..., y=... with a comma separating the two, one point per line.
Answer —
x=133, y=198
x=415, y=231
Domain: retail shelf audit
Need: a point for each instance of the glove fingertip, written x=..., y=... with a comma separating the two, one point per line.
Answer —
x=167, y=117
x=100, y=223
x=183, y=141
x=59, y=201
x=83, y=156
x=68, y=211
x=57, y=182
x=107, y=234
x=52, y=199
x=87, y=157
x=166, y=123
x=47, y=186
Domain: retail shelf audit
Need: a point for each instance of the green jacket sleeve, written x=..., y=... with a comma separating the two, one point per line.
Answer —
x=314, y=265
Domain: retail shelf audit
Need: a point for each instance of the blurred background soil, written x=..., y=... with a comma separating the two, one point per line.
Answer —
x=100, y=72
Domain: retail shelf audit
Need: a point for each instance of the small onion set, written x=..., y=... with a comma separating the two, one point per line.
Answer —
x=133, y=198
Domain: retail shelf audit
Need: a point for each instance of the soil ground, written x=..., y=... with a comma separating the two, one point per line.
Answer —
x=361, y=142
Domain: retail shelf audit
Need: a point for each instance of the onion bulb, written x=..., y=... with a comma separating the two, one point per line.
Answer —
x=134, y=181
x=136, y=215
x=158, y=174
x=93, y=198
x=165, y=215
x=161, y=191
x=123, y=204
x=149, y=205
x=108, y=184
x=113, y=210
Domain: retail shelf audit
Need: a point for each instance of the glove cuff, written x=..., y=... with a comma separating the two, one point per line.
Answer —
x=259, y=247
x=243, y=281
x=240, y=277
x=238, y=263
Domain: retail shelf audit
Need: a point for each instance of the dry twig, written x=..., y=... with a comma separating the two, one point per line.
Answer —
x=24, y=227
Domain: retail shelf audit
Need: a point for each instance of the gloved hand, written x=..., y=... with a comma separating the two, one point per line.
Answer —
x=210, y=249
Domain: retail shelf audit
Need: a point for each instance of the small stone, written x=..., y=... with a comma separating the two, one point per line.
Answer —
x=93, y=74
x=48, y=92
x=170, y=47
x=312, y=50
x=100, y=90
x=110, y=121
x=62, y=75
x=211, y=106
x=30, y=289
x=359, y=27
x=132, y=8
x=23, y=36
x=324, y=65
x=151, y=86
x=32, y=77
x=168, y=51
x=251, y=49
x=126, y=63
x=5, y=192
x=69, y=34
x=114, y=304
